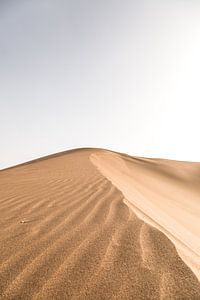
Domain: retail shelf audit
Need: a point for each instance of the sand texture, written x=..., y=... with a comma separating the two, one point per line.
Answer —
x=94, y=224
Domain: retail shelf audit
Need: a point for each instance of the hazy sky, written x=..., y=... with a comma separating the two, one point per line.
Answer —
x=123, y=75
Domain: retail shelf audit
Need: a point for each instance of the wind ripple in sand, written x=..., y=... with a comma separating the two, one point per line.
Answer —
x=79, y=240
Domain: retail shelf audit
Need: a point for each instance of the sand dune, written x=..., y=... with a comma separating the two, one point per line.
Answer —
x=93, y=224
x=165, y=194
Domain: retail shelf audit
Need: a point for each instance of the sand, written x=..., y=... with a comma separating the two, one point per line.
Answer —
x=94, y=224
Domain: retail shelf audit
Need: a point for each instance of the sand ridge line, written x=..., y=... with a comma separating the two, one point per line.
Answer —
x=88, y=245
x=125, y=176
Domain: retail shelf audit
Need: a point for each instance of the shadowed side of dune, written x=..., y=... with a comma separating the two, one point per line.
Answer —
x=65, y=233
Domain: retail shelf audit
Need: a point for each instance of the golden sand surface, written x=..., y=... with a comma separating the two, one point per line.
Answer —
x=94, y=224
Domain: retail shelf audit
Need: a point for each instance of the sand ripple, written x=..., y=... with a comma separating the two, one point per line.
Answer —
x=66, y=233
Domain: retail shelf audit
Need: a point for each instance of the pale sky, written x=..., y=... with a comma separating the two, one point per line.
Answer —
x=122, y=75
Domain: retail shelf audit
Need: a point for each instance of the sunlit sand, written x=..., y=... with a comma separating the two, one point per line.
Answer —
x=94, y=224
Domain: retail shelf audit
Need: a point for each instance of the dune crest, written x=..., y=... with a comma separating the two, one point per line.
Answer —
x=164, y=193
x=67, y=229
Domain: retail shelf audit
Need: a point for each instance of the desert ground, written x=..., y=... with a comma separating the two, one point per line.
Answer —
x=96, y=224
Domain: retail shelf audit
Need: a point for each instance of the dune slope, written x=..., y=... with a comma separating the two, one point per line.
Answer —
x=163, y=193
x=68, y=231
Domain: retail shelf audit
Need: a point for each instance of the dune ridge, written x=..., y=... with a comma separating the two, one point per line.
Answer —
x=68, y=232
x=164, y=194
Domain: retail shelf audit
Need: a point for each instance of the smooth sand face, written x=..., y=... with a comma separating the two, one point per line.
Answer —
x=164, y=193
x=68, y=232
